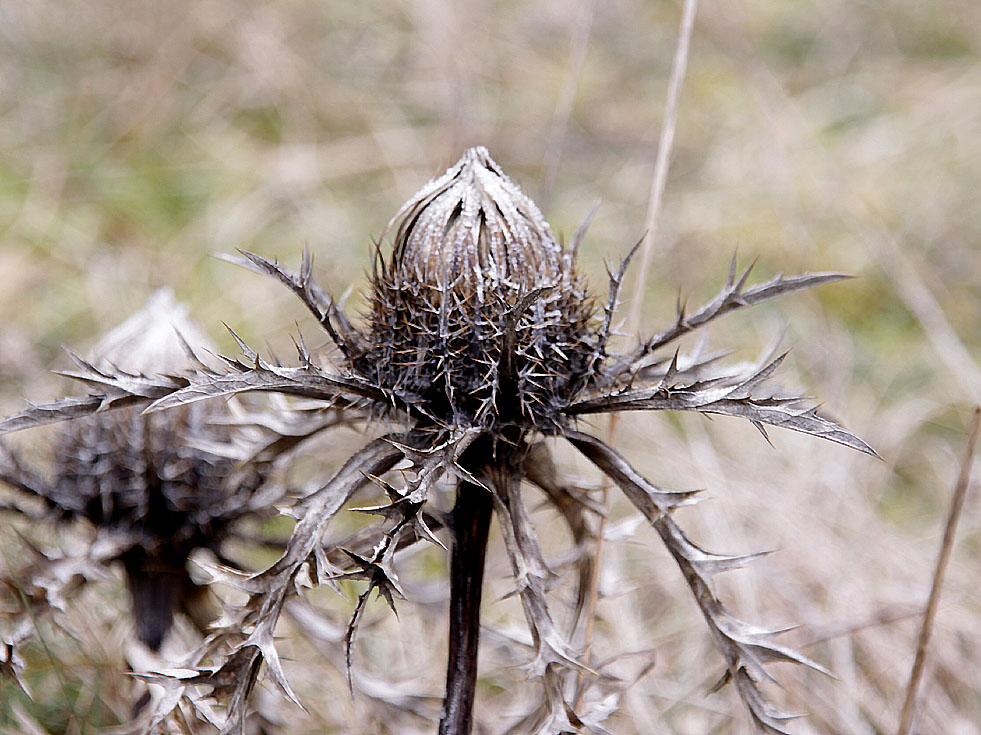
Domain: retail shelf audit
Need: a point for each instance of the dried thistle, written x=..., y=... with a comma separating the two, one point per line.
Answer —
x=483, y=338
x=153, y=488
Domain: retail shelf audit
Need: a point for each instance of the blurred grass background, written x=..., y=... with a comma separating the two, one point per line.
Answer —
x=139, y=137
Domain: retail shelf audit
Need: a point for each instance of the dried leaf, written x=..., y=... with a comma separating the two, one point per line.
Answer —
x=745, y=648
x=730, y=397
x=734, y=295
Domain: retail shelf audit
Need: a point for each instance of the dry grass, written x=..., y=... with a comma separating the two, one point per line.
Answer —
x=140, y=137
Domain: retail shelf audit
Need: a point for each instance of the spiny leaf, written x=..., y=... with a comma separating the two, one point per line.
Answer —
x=531, y=576
x=744, y=647
x=306, y=382
x=652, y=499
x=270, y=588
x=351, y=633
x=612, y=303
x=733, y=296
x=64, y=409
x=730, y=398
x=313, y=296
x=573, y=505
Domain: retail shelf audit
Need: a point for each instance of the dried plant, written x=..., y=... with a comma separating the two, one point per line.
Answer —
x=482, y=340
x=152, y=489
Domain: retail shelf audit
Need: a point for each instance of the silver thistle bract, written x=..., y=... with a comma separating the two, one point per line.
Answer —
x=482, y=337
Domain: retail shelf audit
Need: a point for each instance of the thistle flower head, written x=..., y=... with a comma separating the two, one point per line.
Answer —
x=148, y=484
x=473, y=231
x=480, y=317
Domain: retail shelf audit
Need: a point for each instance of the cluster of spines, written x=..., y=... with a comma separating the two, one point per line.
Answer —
x=480, y=364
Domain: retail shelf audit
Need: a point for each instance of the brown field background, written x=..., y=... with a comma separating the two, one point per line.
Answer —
x=138, y=137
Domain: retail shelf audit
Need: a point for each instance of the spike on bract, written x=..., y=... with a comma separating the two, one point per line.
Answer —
x=480, y=317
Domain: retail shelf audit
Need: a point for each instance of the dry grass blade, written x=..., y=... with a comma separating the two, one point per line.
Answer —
x=908, y=713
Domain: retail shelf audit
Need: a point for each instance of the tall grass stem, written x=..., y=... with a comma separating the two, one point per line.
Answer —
x=661, y=165
x=946, y=547
x=663, y=160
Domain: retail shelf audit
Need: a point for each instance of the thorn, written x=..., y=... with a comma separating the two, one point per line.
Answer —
x=762, y=430
x=580, y=234
x=731, y=278
x=306, y=266
x=722, y=681
x=745, y=275
x=301, y=347
x=187, y=349
x=246, y=350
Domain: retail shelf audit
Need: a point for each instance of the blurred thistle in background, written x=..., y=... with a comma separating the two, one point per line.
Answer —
x=811, y=135
x=151, y=489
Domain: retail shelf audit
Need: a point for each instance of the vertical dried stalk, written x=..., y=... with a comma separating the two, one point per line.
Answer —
x=471, y=522
x=957, y=505
x=661, y=165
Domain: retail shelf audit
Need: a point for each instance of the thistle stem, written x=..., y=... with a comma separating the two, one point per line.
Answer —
x=471, y=522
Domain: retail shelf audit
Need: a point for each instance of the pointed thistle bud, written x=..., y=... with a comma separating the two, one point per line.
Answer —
x=479, y=316
x=472, y=229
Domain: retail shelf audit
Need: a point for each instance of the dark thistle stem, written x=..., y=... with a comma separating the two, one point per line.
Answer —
x=471, y=521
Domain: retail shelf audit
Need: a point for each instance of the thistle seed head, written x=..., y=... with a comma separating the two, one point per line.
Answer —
x=481, y=334
x=480, y=317
x=143, y=479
